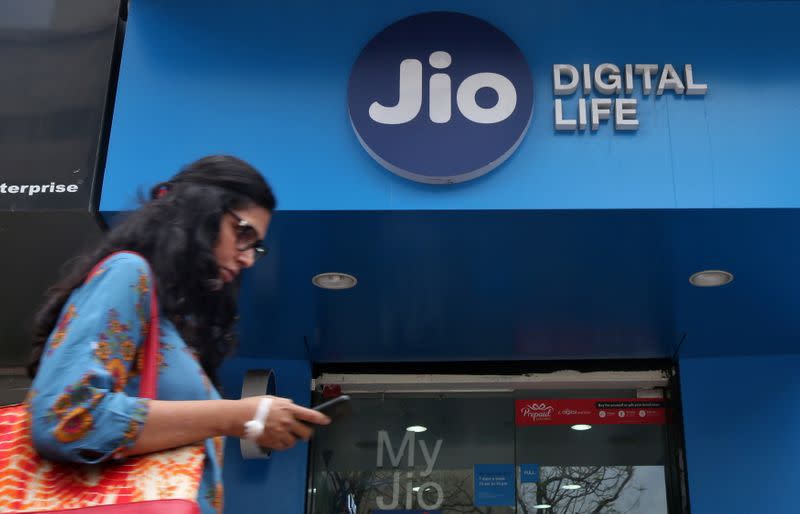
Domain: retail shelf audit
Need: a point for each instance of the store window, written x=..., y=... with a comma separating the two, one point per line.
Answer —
x=448, y=453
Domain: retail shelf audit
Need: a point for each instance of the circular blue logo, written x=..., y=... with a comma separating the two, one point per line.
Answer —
x=440, y=97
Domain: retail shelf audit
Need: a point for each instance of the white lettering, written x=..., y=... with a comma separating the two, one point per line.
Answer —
x=506, y=98
x=440, y=88
x=691, y=87
x=559, y=88
x=612, y=80
x=384, y=441
x=614, y=84
x=409, y=96
x=561, y=122
x=669, y=80
x=439, y=496
x=601, y=110
x=582, y=114
x=34, y=189
x=395, y=494
x=409, y=489
x=440, y=98
x=628, y=79
x=587, y=79
x=625, y=114
x=646, y=71
x=409, y=99
x=430, y=459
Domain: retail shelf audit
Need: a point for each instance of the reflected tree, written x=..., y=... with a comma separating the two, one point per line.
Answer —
x=600, y=488
x=357, y=492
x=366, y=487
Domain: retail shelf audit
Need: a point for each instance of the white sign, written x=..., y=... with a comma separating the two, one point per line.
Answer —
x=610, y=80
x=408, y=448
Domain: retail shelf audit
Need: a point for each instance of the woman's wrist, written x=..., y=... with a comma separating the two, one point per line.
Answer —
x=233, y=415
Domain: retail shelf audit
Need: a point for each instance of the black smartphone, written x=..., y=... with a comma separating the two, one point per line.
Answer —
x=336, y=407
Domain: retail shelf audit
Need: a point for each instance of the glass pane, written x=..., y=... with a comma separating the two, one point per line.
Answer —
x=470, y=456
x=369, y=462
x=609, y=468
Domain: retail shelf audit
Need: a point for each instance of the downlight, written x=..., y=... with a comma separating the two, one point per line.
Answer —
x=334, y=281
x=711, y=278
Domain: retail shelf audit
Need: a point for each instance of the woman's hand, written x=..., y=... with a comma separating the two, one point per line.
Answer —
x=171, y=424
x=286, y=422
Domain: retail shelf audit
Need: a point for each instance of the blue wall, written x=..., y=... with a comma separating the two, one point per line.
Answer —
x=740, y=420
x=278, y=484
x=268, y=81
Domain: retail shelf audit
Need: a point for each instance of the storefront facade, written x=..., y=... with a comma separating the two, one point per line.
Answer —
x=514, y=185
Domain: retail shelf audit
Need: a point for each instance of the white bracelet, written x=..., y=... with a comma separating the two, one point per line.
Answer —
x=255, y=427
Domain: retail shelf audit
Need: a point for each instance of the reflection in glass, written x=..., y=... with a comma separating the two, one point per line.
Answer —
x=371, y=463
x=603, y=489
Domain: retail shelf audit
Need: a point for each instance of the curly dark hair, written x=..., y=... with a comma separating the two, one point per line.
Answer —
x=176, y=231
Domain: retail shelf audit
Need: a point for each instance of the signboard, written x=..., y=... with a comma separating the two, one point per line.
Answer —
x=529, y=473
x=619, y=411
x=53, y=101
x=494, y=485
x=440, y=97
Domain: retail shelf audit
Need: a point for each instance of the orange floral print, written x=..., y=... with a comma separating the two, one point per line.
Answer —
x=127, y=350
x=74, y=426
x=116, y=327
x=61, y=329
x=119, y=374
x=142, y=287
x=103, y=350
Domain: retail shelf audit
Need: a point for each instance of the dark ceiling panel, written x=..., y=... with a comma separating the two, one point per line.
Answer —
x=523, y=285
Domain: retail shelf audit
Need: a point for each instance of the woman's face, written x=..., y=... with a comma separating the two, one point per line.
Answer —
x=240, y=234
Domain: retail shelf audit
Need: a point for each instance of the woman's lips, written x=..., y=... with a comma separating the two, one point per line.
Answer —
x=227, y=275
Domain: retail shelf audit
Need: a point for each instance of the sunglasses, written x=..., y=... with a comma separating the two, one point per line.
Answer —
x=247, y=237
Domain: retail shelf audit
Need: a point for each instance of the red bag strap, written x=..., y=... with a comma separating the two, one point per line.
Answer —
x=148, y=383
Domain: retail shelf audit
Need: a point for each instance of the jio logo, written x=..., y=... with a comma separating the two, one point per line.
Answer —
x=440, y=97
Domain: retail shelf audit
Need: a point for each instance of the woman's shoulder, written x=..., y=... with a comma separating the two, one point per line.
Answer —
x=120, y=266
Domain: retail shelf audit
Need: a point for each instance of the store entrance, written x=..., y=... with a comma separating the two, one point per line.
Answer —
x=495, y=447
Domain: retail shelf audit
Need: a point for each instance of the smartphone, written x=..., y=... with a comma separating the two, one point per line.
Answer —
x=335, y=408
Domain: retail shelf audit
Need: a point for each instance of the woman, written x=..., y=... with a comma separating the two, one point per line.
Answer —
x=197, y=233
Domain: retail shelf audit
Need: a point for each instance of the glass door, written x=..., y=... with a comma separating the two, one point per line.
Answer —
x=492, y=453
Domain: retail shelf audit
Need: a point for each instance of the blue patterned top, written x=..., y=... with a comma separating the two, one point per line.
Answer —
x=84, y=400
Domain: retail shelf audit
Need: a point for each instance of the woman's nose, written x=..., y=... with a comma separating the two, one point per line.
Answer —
x=247, y=258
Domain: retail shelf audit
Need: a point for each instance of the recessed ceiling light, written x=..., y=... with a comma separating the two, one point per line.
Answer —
x=542, y=506
x=334, y=280
x=711, y=278
x=416, y=428
x=581, y=427
x=571, y=487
